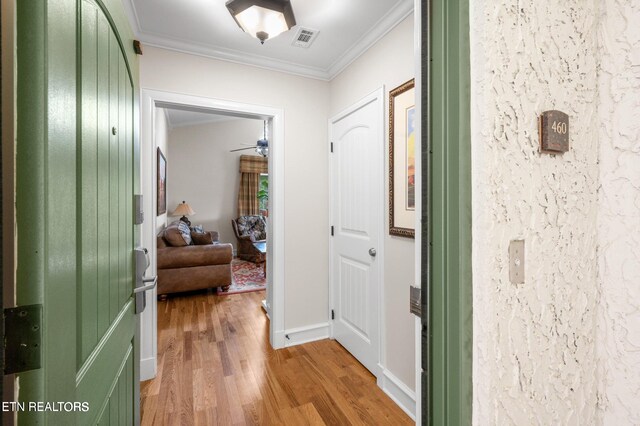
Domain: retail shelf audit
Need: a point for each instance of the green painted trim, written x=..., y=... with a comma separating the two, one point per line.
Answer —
x=448, y=396
x=30, y=154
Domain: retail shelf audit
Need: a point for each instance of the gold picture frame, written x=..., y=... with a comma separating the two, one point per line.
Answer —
x=402, y=194
x=161, y=203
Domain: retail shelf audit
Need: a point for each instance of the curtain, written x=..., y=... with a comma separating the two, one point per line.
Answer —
x=248, y=204
x=251, y=166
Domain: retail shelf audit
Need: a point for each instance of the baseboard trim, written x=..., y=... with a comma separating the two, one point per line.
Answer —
x=400, y=393
x=278, y=340
x=311, y=333
x=148, y=369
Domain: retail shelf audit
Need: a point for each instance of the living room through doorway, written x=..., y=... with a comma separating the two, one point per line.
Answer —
x=155, y=139
x=216, y=181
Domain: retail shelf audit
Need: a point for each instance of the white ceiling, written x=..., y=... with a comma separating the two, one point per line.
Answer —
x=347, y=28
x=181, y=118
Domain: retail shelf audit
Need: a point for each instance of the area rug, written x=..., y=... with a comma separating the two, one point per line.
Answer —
x=246, y=276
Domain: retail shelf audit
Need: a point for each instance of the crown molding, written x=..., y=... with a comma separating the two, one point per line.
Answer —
x=234, y=56
x=396, y=15
x=381, y=28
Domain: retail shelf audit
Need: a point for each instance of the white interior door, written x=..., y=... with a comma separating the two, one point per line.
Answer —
x=357, y=200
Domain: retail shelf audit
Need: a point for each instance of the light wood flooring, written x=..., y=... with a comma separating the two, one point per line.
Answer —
x=216, y=367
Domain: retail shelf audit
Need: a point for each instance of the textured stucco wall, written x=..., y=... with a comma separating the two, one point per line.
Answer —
x=619, y=212
x=534, y=344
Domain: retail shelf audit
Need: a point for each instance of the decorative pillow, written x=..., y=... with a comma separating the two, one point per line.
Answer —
x=198, y=229
x=201, y=238
x=175, y=234
x=185, y=231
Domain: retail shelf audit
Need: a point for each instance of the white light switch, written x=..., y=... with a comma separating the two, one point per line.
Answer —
x=516, y=262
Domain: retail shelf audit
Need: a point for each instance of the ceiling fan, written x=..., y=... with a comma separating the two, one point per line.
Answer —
x=261, y=146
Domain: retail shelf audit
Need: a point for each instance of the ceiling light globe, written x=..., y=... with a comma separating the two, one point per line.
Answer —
x=249, y=20
x=274, y=24
x=262, y=19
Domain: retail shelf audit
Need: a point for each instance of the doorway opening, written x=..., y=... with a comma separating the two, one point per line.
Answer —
x=212, y=178
x=153, y=104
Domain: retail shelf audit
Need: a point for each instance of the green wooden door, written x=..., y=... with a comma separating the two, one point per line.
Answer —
x=447, y=333
x=77, y=170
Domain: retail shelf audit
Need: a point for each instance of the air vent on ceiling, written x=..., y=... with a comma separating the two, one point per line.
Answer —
x=304, y=37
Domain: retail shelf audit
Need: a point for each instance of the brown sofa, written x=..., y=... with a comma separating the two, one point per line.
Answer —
x=193, y=267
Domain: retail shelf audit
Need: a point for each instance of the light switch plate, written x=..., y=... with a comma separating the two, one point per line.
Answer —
x=516, y=262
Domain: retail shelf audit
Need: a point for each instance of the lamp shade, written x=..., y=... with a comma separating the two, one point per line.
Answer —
x=262, y=19
x=183, y=209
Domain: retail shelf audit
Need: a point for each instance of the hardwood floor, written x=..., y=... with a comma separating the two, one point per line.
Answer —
x=216, y=367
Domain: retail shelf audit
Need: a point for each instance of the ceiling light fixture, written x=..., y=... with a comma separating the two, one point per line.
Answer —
x=262, y=19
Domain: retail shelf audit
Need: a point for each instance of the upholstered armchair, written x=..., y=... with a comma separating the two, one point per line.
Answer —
x=250, y=230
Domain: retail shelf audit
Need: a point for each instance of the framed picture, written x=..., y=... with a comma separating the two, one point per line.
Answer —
x=402, y=135
x=162, y=184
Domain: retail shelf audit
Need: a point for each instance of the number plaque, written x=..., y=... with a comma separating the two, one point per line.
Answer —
x=554, y=132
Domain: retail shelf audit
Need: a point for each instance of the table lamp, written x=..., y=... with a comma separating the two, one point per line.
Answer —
x=183, y=209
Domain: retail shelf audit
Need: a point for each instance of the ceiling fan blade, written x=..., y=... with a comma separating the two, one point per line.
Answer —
x=242, y=149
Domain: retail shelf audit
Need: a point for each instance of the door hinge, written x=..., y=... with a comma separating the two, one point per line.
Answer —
x=332, y=230
x=22, y=338
x=333, y=314
x=331, y=146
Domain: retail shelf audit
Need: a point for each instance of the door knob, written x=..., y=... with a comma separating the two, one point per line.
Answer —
x=372, y=252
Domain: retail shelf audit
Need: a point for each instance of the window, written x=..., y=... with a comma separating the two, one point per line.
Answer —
x=263, y=193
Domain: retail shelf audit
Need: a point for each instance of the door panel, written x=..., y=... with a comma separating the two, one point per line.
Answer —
x=103, y=170
x=356, y=217
x=76, y=174
x=105, y=323
x=96, y=378
x=117, y=409
x=88, y=249
x=354, y=180
x=354, y=290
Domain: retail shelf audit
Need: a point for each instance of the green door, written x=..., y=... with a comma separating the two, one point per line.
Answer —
x=76, y=174
x=447, y=326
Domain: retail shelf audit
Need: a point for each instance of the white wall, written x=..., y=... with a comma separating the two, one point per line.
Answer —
x=206, y=174
x=534, y=344
x=619, y=212
x=389, y=62
x=305, y=104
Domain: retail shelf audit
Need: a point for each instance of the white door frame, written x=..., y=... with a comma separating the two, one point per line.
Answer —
x=150, y=100
x=417, y=49
x=376, y=94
